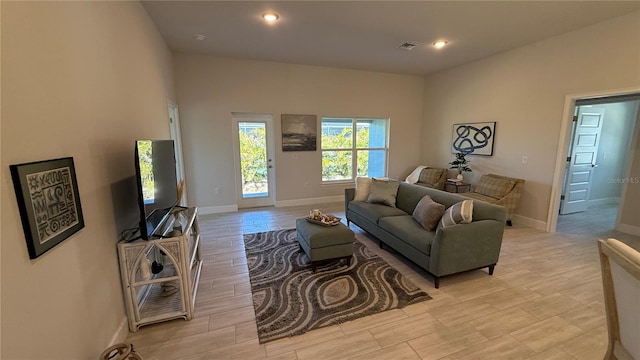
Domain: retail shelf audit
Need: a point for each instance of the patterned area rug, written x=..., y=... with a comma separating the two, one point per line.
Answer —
x=289, y=299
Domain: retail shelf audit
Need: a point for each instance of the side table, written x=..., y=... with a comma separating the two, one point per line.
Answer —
x=457, y=187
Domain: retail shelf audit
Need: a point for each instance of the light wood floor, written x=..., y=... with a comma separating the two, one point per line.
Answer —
x=544, y=302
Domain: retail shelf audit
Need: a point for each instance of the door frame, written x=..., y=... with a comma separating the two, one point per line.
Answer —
x=176, y=136
x=237, y=117
x=563, y=148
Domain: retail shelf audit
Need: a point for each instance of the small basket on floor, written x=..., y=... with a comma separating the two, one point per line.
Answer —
x=120, y=351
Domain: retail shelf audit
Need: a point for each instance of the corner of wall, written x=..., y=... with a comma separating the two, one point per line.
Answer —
x=121, y=333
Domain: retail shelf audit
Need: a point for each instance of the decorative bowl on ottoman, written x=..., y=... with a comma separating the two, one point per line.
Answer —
x=323, y=219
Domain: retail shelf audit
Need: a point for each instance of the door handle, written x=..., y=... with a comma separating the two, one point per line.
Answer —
x=594, y=165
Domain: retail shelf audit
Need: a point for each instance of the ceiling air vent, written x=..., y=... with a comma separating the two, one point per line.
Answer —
x=408, y=46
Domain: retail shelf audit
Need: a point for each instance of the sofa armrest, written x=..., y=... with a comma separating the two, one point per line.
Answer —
x=349, y=194
x=465, y=247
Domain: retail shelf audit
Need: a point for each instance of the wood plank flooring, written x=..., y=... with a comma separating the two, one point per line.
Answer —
x=544, y=302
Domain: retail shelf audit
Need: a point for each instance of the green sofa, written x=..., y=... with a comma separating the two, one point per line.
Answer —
x=442, y=252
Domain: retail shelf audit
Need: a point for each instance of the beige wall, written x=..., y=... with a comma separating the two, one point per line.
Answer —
x=211, y=88
x=524, y=91
x=614, y=149
x=80, y=79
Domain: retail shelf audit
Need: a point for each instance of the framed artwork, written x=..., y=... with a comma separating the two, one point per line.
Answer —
x=474, y=138
x=299, y=132
x=49, y=203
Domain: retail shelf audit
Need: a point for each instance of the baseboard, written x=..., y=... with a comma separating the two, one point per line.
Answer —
x=529, y=222
x=310, y=201
x=604, y=201
x=628, y=229
x=121, y=333
x=204, y=210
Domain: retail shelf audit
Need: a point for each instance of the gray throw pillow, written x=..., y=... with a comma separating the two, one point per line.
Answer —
x=363, y=187
x=383, y=192
x=428, y=213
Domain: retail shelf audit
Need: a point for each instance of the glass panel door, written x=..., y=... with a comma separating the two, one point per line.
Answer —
x=254, y=160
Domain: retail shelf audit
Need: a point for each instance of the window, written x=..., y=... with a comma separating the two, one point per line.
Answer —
x=353, y=147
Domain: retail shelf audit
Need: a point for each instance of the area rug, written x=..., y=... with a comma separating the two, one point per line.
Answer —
x=289, y=299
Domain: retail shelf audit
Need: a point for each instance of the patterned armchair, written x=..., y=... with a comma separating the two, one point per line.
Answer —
x=499, y=190
x=433, y=178
x=620, y=265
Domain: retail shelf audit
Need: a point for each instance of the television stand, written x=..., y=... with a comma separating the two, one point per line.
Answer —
x=160, y=276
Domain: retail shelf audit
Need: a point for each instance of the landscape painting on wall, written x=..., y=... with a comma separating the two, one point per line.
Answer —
x=299, y=132
x=473, y=138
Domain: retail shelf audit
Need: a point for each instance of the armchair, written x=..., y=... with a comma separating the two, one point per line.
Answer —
x=434, y=178
x=620, y=265
x=499, y=190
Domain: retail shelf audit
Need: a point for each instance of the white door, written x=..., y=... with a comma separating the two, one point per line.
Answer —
x=253, y=155
x=174, y=127
x=581, y=162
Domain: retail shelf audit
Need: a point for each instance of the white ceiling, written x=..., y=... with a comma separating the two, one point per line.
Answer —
x=366, y=34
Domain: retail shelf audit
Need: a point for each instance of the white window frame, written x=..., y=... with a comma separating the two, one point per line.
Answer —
x=354, y=149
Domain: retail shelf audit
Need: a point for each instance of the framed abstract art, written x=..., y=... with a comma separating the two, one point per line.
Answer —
x=473, y=138
x=48, y=201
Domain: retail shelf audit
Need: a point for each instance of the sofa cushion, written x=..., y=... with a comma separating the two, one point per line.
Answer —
x=428, y=213
x=459, y=213
x=430, y=176
x=373, y=212
x=363, y=187
x=494, y=187
x=407, y=229
x=383, y=192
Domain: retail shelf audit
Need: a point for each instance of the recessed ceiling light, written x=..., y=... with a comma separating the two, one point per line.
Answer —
x=270, y=17
x=440, y=44
x=199, y=37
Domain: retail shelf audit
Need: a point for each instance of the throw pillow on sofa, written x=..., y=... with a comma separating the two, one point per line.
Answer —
x=428, y=213
x=458, y=213
x=363, y=187
x=383, y=192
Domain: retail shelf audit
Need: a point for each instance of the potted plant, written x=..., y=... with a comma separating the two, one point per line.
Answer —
x=460, y=164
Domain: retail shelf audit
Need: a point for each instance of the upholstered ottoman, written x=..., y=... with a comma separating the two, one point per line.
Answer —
x=324, y=243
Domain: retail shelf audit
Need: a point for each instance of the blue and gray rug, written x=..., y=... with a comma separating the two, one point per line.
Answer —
x=289, y=299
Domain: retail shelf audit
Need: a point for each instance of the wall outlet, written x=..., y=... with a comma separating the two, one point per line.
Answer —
x=216, y=191
x=525, y=160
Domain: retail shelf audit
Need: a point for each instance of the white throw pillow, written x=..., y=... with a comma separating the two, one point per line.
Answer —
x=458, y=213
x=363, y=186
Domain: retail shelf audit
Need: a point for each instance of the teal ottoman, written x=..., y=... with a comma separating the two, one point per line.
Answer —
x=325, y=243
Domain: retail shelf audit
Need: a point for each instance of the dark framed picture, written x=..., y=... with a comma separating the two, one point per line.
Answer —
x=473, y=138
x=299, y=132
x=49, y=203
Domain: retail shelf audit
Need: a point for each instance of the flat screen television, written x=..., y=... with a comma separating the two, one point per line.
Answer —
x=157, y=184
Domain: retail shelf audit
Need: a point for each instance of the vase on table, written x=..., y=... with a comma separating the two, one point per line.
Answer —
x=460, y=177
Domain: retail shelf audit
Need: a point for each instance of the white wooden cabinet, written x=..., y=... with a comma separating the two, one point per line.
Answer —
x=160, y=277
